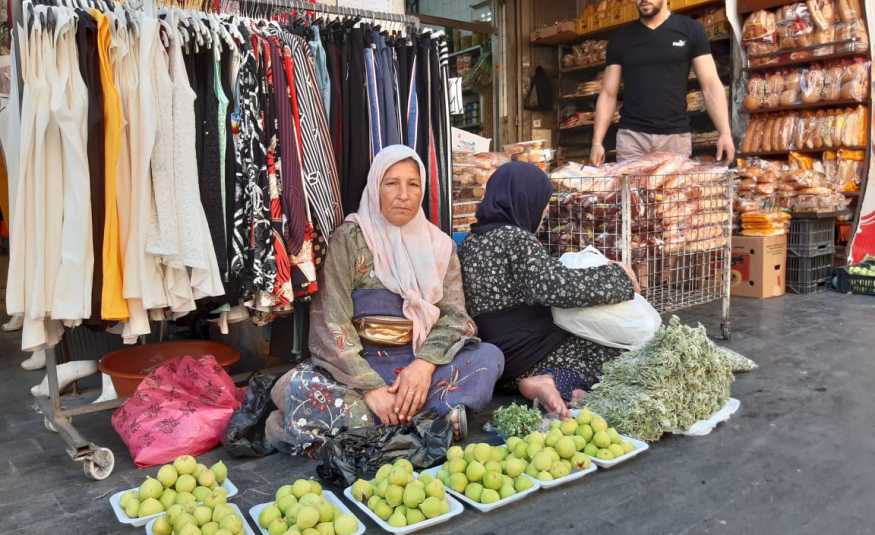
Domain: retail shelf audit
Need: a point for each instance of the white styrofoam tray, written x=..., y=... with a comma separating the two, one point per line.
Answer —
x=329, y=496
x=246, y=529
x=639, y=447
x=704, y=427
x=484, y=507
x=456, y=509
x=139, y=522
x=569, y=478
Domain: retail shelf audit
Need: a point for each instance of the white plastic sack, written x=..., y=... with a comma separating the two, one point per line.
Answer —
x=627, y=325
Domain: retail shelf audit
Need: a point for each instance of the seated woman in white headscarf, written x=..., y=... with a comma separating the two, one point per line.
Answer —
x=389, y=334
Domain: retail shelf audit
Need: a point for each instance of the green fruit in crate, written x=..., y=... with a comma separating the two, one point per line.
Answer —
x=185, y=498
x=232, y=523
x=560, y=469
x=202, y=515
x=431, y=507
x=346, y=524
x=492, y=480
x=183, y=520
x=533, y=449
x=568, y=427
x=535, y=437
x=552, y=437
x=598, y=424
x=605, y=455
x=383, y=472
x=362, y=490
x=127, y=497
x=312, y=500
x=522, y=483
x=162, y=526
x=300, y=488
x=489, y=496
x=199, y=469
x=493, y=466
x=515, y=467
x=206, y=479
x=185, y=464
x=394, y=495
x=315, y=487
x=443, y=476
x=223, y=532
x=400, y=477
x=173, y=511
x=413, y=516
x=168, y=498
x=444, y=507
x=584, y=416
x=475, y=471
x=545, y=476
x=542, y=461
x=566, y=447
x=456, y=466
x=628, y=447
x=616, y=449
x=404, y=464
x=455, y=452
x=506, y=480
x=532, y=470
x=555, y=424
x=413, y=496
x=401, y=509
x=580, y=461
x=380, y=489
x=326, y=512
x=615, y=437
x=585, y=431
x=308, y=517
x=151, y=488
x=384, y=510
x=553, y=453
x=220, y=471
x=483, y=453
x=601, y=440
x=425, y=479
x=469, y=453
x=579, y=442
x=150, y=506
x=201, y=493
x=506, y=491
x=285, y=490
x=132, y=509
x=325, y=528
x=512, y=443
x=221, y=511
x=591, y=450
x=373, y=502
x=397, y=520
x=277, y=527
x=268, y=515
x=435, y=489
x=473, y=491
x=286, y=502
x=189, y=529
x=499, y=453
x=521, y=450
x=167, y=475
x=310, y=531
x=210, y=528
x=185, y=483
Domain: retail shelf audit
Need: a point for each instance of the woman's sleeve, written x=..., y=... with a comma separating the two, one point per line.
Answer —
x=545, y=281
x=454, y=326
x=334, y=342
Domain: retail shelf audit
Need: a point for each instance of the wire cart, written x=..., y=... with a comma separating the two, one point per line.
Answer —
x=673, y=231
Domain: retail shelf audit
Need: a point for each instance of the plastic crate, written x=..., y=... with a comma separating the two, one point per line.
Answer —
x=811, y=237
x=808, y=274
x=858, y=284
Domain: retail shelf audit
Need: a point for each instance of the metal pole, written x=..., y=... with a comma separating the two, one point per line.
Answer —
x=626, y=238
x=726, y=324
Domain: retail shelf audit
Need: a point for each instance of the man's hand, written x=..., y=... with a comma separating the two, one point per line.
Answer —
x=725, y=146
x=411, y=388
x=382, y=404
x=597, y=154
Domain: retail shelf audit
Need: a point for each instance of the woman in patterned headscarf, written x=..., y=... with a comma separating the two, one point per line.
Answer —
x=389, y=333
x=511, y=283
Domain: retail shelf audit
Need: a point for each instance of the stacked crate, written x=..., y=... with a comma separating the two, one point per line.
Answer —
x=810, y=248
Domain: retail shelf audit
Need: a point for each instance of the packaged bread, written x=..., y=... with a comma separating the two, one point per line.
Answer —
x=852, y=35
x=855, y=127
x=811, y=85
x=759, y=129
x=759, y=26
x=848, y=10
x=766, y=140
x=787, y=131
x=774, y=88
x=832, y=83
x=776, y=133
x=756, y=93
x=822, y=13
x=825, y=37
x=854, y=82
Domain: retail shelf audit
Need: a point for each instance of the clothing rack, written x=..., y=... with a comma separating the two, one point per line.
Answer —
x=339, y=10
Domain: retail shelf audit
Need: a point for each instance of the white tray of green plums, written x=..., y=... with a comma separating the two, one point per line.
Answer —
x=486, y=507
x=455, y=509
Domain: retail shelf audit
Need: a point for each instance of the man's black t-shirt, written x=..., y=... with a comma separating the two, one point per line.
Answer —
x=656, y=67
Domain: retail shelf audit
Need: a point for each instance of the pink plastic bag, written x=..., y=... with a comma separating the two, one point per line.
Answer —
x=182, y=408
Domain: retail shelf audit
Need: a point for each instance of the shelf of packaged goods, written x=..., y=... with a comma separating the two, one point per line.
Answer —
x=802, y=151
x=812, y=106
x=805, y=61
x=572, y=98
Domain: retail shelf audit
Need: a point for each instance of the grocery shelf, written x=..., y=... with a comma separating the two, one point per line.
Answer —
x=582, y=68
x=803, y=151
x=805, y=61
x=811, y=106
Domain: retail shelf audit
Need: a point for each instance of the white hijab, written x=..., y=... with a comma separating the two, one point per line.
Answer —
x=412, y=260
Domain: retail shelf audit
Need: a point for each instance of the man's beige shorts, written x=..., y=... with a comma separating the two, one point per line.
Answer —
x=631, y=144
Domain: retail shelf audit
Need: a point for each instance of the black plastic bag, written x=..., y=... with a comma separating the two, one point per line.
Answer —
x=244, y=436
x=359, y=452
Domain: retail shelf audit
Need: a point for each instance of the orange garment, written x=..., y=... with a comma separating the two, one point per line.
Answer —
x=113, y=305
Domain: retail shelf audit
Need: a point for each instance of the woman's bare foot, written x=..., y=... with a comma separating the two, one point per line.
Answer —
x=543, y=389
x=577, y=397
x=458, y=419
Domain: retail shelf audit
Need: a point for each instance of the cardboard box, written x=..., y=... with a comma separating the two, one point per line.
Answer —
x=758, y=266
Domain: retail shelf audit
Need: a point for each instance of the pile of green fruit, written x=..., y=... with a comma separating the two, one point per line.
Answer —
x=301, y=509
x=399, y=498
x=484, y=473
x=217, y=519
x=185, y=482
x=568, y=446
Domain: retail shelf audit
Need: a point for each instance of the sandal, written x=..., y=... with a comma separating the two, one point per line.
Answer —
x=460, y=430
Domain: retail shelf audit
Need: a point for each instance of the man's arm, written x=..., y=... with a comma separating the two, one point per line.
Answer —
x=604, y=111
x=715, y=101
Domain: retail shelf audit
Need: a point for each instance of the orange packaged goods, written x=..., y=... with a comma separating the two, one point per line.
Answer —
x=822, y=13
x=849, y=10
x=760, y=26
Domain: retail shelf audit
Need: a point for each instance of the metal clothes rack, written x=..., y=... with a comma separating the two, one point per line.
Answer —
x=337, y=10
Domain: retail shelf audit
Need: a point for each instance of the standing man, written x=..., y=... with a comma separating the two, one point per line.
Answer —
x=653, y=58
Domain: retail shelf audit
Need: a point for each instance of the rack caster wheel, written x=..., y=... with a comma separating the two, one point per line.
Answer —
x=726, y=330
x=99, y=464
x=49, y=425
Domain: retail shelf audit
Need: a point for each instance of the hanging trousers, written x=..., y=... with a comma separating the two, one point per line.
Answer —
x=355, y=132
